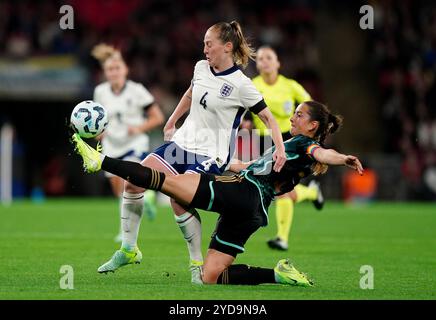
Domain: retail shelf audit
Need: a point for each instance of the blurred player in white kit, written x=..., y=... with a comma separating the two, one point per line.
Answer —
x=132, y=113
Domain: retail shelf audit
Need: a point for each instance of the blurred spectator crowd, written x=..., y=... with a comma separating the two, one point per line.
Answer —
x=161, y=39
x=404, y=48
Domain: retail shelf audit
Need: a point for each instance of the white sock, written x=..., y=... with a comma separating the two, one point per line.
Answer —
x=120, y=208
x=190, y=225
x=131, y=213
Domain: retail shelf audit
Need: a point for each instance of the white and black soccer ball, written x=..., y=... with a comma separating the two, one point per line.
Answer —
x=89, y=119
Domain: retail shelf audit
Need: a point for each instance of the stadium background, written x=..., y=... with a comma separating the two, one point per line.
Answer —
x=382, y=81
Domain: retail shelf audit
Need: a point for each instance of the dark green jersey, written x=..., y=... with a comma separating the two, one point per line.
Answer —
x=299, y=159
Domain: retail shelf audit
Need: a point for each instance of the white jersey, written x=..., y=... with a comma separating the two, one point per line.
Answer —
x=219, y=102
x=124, y=110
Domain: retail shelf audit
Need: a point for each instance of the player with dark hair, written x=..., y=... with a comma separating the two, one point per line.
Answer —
x=242, y=200
x=282, y=95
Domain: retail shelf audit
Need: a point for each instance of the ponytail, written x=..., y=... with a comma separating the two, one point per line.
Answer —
x=328, y=124
x=232, y=32
x=103, y=52
x=334, y=122
x=243, y=52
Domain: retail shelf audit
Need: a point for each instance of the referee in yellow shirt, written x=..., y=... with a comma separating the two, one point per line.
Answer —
x=282, y=96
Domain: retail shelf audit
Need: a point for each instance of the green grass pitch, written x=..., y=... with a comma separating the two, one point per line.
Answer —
x=397, y=240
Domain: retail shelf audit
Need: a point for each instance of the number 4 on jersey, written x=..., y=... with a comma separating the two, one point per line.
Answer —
x=203, y=100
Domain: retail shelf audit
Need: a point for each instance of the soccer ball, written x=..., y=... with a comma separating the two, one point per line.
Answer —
x=89, y=119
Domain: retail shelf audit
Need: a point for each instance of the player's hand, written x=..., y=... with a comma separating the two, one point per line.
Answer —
x=279, y=157
x=354, y=163
x=169, y=131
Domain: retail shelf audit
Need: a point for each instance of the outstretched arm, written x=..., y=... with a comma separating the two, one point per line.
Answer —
x=332, y=157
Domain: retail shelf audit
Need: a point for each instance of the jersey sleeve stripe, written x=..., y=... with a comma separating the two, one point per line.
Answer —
x=258, y=107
